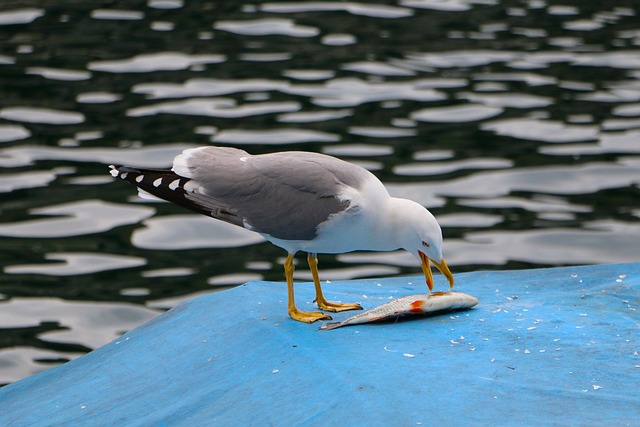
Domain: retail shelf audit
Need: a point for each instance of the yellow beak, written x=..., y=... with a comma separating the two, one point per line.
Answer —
x=442, y=266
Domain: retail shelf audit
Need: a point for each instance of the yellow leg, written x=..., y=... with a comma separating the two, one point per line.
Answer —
x=301, y=316
x=325, y=305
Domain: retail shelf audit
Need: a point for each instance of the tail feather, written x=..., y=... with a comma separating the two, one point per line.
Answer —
x=169, y=186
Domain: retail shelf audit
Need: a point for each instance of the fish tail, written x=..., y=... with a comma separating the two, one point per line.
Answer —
x=331, y=325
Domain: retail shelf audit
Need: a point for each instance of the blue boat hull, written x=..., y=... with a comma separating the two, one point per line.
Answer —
x=547, y=346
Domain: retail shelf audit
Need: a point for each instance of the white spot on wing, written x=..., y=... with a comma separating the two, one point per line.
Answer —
x=114, y=173
x=174, y=184
x=139, y=178
x=157, y=182
x=192, y=186
x=124, y=175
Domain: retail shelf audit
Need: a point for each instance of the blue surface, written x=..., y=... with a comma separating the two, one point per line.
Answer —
x=551, y=346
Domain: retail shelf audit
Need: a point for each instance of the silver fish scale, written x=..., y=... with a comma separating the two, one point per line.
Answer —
x=434, y=302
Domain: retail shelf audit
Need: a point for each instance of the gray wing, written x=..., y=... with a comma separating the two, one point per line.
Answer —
x=285, y=195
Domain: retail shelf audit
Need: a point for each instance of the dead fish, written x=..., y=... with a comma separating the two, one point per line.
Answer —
x=411, y=304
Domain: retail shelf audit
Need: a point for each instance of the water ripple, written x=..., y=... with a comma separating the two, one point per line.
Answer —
x=76, y=219
x=441, y=5
x=98, y=97
x=358, y=9
x=456, y=113
x=41, y=115
x=168, y=272
x=542, y=130
x=348, y=273
x=18, y=181
x=625, y=59
x=309, y=74
x=440, y=168
x=630, y=110
x=314, y=116
x=466, y=220
x=73, y=264
x=233, y=279
x=620, y=124
x=59, y=74
x=4, y=59
x=273, y=136
x=564, y=180
x=377, y=69
x=190, y=232
x=267, y=27
x=207, y=87
x=381, y=132
x=214, y=107
x=339, y=39
x=531, y=79
x=117, y=14
x=20, y=16
x=166, y=4
x=461, y=58
x=20, y=362
x=365, y=150
x=149, y=62
x=81, y=322
x=13, y=133
x=611, y=242
x=536, y=204
x=508, y=100
x=154, y=156
x=608, y=143
x=350, y=92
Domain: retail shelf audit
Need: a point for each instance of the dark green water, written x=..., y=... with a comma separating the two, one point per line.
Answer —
x=516, y=122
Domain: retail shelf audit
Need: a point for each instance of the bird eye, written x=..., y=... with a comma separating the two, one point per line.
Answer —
x=425, y=244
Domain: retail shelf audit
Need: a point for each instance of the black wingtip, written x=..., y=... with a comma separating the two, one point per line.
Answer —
x=127, y=173
x=121, y=169
x=167, y=185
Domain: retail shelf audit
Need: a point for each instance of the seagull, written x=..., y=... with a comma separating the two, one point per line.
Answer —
x=299, y=201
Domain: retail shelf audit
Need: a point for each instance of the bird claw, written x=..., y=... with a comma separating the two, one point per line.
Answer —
x=335, y=307
x=308, y=316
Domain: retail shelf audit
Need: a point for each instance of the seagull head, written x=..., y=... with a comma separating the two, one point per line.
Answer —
x=422, y=237
x=438, y=261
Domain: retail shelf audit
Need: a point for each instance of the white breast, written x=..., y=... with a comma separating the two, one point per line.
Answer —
x=365, y=225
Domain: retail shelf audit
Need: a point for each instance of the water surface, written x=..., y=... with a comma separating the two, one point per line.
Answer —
x=516, y=122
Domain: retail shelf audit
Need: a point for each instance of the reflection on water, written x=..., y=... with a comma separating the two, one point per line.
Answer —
x=56, y=331
x=172, y=232
x=76, y=263
x=516, y=122
x=76, y=219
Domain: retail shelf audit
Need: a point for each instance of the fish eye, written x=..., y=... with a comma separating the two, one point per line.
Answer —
x=425, y=244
